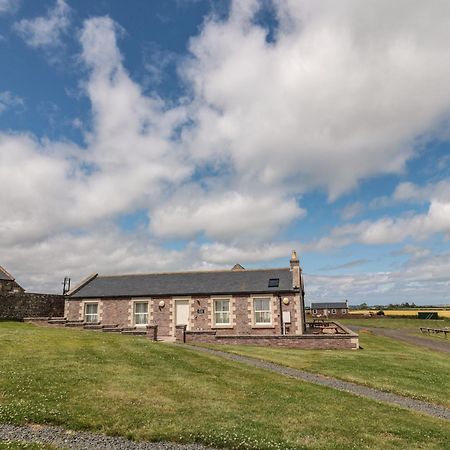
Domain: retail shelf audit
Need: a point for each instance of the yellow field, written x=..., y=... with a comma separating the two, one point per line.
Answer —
x=402, y=312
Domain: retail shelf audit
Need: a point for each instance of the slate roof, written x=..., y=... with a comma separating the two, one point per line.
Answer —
x=185, y=283
x=329, y=305
x=4, y=275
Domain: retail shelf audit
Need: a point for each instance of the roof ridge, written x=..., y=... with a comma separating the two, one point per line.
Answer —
x=193, y=272
x=6, y=273
x=329, y=303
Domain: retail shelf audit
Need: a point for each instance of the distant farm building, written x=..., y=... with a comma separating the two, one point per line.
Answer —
x=329, y=309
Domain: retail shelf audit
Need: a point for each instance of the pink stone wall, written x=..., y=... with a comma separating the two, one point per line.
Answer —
x=117, y=312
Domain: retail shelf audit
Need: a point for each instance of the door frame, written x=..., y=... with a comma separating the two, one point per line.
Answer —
x=175, y=301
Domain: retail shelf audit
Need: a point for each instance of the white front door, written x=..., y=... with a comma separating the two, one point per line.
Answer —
x=182, y=312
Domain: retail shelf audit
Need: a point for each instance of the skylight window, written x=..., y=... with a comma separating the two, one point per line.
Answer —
x=274, y=282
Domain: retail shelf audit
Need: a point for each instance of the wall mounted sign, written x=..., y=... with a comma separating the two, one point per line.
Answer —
x=201, y=311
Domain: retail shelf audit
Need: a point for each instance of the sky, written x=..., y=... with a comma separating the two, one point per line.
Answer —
x=187, y=135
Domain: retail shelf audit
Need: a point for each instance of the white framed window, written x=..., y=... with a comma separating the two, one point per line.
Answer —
x=262, y=311
x=333, y=311
x=91, y=312
x=140, y=313
x=222, y=311
x=314, y=311
x=344, y=311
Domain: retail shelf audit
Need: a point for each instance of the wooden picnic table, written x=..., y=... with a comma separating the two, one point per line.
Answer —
x=437, y=331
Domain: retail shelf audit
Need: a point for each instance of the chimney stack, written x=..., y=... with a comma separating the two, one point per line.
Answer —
x=296, y=270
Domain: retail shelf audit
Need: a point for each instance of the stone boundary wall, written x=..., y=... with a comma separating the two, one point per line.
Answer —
x=21, y=305
x=349, y=340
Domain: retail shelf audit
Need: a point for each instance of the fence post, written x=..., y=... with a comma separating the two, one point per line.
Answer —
x=180, y=333
x=152, y=332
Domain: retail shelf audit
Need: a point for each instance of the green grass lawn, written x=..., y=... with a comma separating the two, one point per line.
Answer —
x=131, y=387
x=24, y=446
x=382, y=363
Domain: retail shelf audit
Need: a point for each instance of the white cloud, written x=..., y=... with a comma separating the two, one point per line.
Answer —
x=42, y=265
x=410, y=192
x=9, y=100
x=407, y=192
x=228, y=255
x=9, y=6
x=129, y=159
x=224, y=216
x=414, y=251
x=390, y=230
x=46, y=31
x=34, y=188
x=352, y=210
x=332, y=101
x=421, y=280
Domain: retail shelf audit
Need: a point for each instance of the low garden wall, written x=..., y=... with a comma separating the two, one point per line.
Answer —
x=349, y=340
x=21, y=305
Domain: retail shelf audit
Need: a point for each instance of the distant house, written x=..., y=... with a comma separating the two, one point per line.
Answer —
x=329, y=309
x=8, y=284
x=229, y=302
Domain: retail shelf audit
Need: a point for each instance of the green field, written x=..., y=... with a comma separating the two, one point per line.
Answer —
x=142, y=390
x=392, y=322
x=411, y=325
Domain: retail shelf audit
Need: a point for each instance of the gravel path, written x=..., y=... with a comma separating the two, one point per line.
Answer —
x=77, y=440
x=406, y=336
x=363, y=391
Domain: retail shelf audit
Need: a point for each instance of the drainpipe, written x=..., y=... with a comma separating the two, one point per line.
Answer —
x=281, y=314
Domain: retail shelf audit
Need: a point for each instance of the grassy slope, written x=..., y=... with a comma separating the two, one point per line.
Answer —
x=131, y=387
x=382, y=363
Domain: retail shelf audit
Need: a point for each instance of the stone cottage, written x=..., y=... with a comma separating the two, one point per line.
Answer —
x=8, y=284
x=329, y=309
x=228, y=302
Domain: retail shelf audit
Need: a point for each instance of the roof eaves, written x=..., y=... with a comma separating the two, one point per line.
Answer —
x=190, y=294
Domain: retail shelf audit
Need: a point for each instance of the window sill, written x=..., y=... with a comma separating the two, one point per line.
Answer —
x=263, y=326
x=222, y=327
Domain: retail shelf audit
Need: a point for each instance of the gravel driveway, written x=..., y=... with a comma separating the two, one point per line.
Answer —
x=73, y=440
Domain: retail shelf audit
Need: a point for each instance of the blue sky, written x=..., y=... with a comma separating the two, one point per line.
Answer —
x=169, y=135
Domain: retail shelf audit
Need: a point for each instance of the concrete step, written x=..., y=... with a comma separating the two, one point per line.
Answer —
x=135, y=332
x=57, y=321
x=166, y=338
x=74, y=323
x=93, y=327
